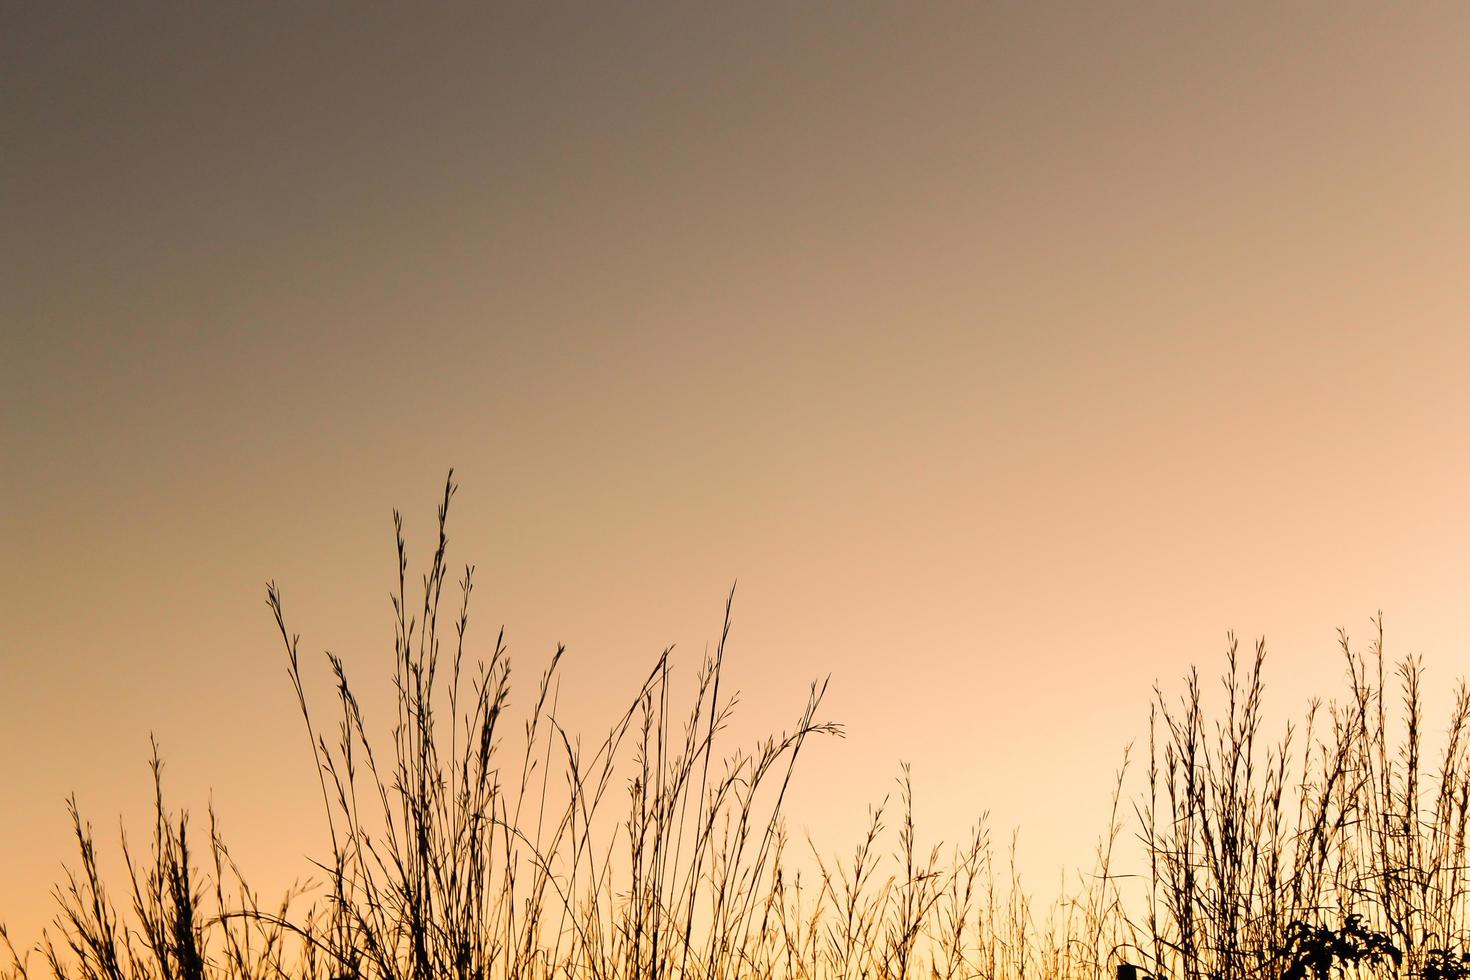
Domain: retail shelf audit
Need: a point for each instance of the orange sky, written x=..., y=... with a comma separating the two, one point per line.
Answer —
x=1007, y=354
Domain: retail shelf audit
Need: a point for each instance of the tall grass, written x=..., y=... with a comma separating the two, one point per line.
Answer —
x=460, y=844
x=1343, y=834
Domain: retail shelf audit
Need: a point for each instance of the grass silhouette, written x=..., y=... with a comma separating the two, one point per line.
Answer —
x=1337, y=850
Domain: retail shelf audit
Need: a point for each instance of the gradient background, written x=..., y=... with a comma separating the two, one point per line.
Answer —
x=1007, y=354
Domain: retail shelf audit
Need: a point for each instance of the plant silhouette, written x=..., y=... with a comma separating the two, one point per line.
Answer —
x=461, y=845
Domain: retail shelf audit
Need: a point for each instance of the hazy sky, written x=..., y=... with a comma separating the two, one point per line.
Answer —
x=1007, y=354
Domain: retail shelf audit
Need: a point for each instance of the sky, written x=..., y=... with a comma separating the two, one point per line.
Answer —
x=1007, y=355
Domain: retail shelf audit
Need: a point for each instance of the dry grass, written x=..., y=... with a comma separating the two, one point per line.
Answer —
x=1341, y=834
x=657, y=852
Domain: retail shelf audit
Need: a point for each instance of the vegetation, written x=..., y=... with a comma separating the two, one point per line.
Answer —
x=1337, y=850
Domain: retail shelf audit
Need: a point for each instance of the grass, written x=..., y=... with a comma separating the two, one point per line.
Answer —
x=463, y=845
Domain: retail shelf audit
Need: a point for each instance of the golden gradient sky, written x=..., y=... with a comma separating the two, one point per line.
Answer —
x=1008, y=354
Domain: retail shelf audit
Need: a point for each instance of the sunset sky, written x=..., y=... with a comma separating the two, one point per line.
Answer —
x=1007, y=354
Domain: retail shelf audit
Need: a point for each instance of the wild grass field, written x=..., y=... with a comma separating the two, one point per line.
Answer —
x=465, y=843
